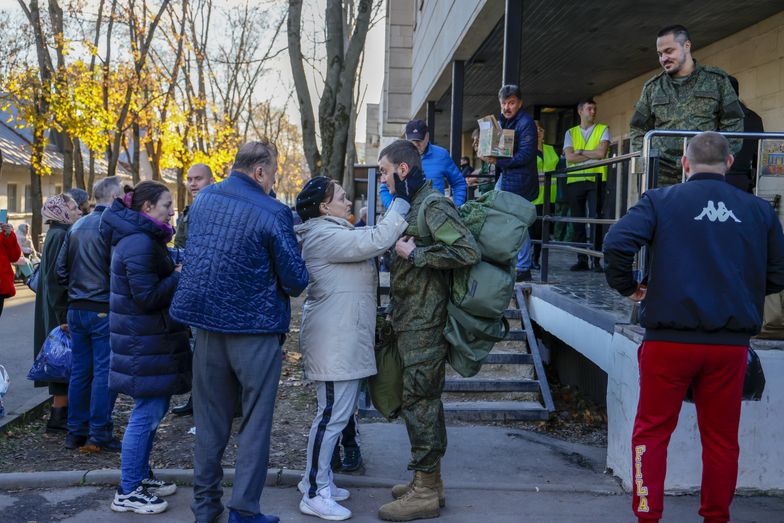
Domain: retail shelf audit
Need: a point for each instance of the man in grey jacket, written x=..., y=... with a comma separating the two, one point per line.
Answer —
x=83, y=266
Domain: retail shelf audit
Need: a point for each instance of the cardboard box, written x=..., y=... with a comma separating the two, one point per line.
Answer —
x=494, y=141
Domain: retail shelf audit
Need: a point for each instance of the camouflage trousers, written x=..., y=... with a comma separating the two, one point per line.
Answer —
x=424, y=355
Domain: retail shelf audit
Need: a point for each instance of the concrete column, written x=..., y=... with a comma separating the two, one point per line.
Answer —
x=431, y=120
x=456, y=124
x=513, y=42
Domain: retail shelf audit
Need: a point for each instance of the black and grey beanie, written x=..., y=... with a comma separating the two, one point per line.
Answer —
x=311, y=196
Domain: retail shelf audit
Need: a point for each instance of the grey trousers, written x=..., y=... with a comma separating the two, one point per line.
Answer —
x=225, y=366
x=336, y=403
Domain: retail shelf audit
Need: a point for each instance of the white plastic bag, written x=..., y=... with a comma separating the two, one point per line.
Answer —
x=5, y=381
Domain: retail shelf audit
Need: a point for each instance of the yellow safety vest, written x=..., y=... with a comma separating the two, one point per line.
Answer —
x=548, y=163
x=578, y=143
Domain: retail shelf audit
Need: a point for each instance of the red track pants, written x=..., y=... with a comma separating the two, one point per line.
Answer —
x=716, y=374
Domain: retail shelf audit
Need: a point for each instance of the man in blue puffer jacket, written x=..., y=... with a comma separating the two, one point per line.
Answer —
x=437, y=165
x=242, y=263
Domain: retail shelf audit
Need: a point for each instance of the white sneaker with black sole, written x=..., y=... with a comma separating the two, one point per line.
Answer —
x=158, y=487
x=335, y=492
x=139, y=501
x=323, y=507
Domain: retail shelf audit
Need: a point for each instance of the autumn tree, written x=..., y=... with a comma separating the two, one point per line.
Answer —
x=346, y=24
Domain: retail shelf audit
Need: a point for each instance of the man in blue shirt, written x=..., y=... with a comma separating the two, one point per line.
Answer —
x=436, y=163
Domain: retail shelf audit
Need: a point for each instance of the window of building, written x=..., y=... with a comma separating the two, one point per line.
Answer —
x=28, y=198
x=13, y=203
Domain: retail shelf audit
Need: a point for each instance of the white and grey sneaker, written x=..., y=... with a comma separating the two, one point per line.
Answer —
x=158, y=487
x=323, y=507
x=335, y=492
x=139, y=501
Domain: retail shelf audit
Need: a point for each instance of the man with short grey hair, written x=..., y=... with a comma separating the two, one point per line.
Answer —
x=715, y=252
x=241, y=317
x=83, y=267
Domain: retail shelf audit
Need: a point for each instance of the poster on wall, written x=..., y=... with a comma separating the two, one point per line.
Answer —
x=770, y=173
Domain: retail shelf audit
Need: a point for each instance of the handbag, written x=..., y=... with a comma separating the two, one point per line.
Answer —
x=32, y=281
x=753, y=381
x=386, y=386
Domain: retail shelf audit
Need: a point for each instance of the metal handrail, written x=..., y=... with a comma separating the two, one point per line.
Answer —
x=547, y=218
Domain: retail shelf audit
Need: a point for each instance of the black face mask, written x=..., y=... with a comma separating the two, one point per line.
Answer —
x=415, y=179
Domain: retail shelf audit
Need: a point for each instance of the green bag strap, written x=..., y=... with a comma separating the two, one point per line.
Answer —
x=464, y=319
x=424, y=231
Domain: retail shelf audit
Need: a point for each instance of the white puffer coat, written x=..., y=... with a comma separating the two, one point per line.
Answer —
x=337, y=335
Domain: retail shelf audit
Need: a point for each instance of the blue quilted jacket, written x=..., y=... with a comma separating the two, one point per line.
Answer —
x=242, y=261
x=150, y=351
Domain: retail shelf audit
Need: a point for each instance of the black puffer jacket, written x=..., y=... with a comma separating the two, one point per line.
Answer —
x=150, y=353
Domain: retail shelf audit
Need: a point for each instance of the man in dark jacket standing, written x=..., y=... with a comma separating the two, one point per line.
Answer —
x=715, y=252
x=242, y=314
x=199, y=176
x=83, y=266
x=518, y=173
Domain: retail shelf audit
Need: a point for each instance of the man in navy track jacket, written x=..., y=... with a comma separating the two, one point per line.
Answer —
x=715, y=252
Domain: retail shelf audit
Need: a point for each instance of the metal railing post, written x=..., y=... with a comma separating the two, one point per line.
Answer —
x=546, y=226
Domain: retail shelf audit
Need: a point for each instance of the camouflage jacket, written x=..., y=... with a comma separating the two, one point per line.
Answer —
x=419, y=291
x=703, y=102
x=182, y=229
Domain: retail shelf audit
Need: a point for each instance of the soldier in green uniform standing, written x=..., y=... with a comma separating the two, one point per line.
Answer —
x=419, y=293
x=685, y=96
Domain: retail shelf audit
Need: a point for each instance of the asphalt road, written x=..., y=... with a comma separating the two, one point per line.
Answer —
x=16, y=352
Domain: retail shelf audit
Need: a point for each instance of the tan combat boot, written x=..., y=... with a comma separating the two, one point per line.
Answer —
x=419, y=502
x=398, y=491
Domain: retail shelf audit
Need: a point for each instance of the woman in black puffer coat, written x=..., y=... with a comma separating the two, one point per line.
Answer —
x=150, y=355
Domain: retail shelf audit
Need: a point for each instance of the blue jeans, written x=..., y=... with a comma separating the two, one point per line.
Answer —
x=525, y=255
x=526, y=251
x=90, y=403
x=137, y=443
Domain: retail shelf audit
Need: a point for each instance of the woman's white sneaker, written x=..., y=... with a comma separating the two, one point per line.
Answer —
x=335, y=492
x=324, y=508
x=139, y=501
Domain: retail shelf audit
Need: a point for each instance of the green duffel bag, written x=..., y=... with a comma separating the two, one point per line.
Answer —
x=482, y=289
x=499, y=222
x=386, y=386
x=471, y=339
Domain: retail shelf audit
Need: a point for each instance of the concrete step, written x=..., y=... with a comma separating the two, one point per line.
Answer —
x=508, y=358
x=490, y=385
x=496, y=411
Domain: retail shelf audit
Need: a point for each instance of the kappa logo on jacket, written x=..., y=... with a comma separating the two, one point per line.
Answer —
x=714, y=213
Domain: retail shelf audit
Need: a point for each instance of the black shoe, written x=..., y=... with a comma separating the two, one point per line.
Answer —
x=336, y=462
x=597, y=267
x=113, y=445
x=185, y=409
x=535, y=266
x=352, y=461
x=74, y=442
x=58, y=420
x=523, y=276
x=580, y=266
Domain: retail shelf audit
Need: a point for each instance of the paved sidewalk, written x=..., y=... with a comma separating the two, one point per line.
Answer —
x=16, y=354
x=91, y=505
x=492, y=474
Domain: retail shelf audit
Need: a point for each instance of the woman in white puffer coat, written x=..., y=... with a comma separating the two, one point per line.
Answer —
x=337, y=335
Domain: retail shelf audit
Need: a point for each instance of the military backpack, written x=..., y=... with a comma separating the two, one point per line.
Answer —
x=498, y=221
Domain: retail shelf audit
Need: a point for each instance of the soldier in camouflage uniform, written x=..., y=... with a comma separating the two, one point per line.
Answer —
x=685, y=96
x=419, y=293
